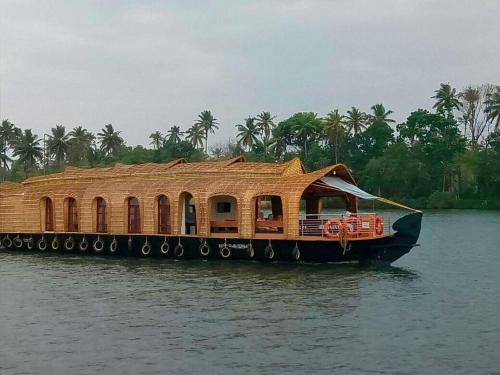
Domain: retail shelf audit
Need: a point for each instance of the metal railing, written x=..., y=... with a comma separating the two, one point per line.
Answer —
x=359, y=225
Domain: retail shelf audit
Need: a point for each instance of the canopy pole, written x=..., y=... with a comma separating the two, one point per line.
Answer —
x=397, y=204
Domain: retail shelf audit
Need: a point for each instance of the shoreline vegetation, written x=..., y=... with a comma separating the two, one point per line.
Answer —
x=444, y=157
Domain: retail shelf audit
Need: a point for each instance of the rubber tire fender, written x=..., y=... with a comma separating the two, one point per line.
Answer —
x=69, y=243
x=98, y=249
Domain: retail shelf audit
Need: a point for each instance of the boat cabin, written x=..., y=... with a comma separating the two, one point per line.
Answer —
x=223, y=199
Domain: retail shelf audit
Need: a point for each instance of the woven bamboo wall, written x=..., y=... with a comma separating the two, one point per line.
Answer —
x=20, y=204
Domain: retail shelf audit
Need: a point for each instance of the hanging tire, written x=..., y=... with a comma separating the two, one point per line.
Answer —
x=179, y=250
x=250, y=251
x=296, y=254
x=146, y=249
x=55, y=244
x=29, y=243
x=204, y=249
x=225, y=252
x=269, y=252
x=84, y=244
x=113, y=246
x=7, y=242
x=18, y=242
x=69, y=243
x=42, y=244
x=98, y=245
x=164, y=247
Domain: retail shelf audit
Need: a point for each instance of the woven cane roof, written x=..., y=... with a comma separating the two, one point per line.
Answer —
x=178, y=167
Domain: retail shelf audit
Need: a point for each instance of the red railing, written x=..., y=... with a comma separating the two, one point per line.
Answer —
x=360, y=225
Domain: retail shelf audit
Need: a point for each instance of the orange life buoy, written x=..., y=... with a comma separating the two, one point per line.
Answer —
x=379, y=226
x=333, y=227
x=353, y=225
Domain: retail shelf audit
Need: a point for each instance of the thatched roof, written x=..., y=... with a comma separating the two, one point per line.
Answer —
x=211, y=176
x=179, y=167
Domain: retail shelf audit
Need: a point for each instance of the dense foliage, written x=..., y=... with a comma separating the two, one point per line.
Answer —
x=445, y=157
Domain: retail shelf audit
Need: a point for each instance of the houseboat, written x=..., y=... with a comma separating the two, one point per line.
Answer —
x=231, y=209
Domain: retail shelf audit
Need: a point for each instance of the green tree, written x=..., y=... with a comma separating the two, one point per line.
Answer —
x=447, y=99
x=333, y=127
x=174, y=135
x=396, y=173
x=79, y=145
x=436, y=141
x=248, y=134
x=282, y=138
x=110, y=140
x=218, y=153
x=195, y=135
x=180, y=150
x=300, y=129
x=27, y=148
x=209, y=123
x=493, y=107
x=380, y=115
x=356, y=120
x=57, y=144
x=8, y=136
x=474, y=116
x=156, y=139
x=493, y=140
x=265, y=124
x=373, y=142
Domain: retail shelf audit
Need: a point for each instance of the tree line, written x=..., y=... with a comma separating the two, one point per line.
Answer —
x=447, y=156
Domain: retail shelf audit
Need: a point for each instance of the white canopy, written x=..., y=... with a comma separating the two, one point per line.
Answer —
x=340, y=184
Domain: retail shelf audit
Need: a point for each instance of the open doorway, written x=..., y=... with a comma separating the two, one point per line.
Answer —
x=188, y=214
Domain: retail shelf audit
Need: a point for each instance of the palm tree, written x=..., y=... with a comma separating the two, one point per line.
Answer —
x=333, y=126
x=265, y=124
x=27, y=148
x=8, y=134
x=493, y=107
x=248, y=133
x=217, y=153
x=156, y=139
x=306, y=129
x=380, y=115
x=355, y=120
x=4, y=161
x=447, y=99
x=57, y=144
x=110, y=140
x=471, y=101
x=277, y=147
x=208, y=123
x=79, y=144
x=195, y=135
x=174, y=134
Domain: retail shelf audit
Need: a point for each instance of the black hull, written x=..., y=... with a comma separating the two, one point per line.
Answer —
x=372, y=251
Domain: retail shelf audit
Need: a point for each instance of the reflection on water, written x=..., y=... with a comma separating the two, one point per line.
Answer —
x=78, y=314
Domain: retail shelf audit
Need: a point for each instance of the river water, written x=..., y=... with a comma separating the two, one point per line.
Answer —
x=436, y=311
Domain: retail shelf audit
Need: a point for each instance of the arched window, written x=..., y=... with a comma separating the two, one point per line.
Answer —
x=268, y=214
x=134, y=215
x=164, y=225
x=49, y=215
x=72, y=215
x=223, y=211
x=101, y=224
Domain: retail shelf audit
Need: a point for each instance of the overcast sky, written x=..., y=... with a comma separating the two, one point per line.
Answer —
x=148, y=65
